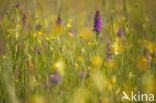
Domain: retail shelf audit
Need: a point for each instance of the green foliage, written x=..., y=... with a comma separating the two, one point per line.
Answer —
x=43, y=62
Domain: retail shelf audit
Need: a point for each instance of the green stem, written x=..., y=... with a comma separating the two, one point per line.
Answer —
x=124, y=6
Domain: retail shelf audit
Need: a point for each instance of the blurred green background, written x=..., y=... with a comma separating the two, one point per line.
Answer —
x=29, y=51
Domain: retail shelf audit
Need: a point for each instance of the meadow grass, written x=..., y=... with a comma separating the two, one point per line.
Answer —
x=50, y=51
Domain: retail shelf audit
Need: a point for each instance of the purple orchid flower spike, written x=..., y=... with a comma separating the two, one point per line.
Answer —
x=145, y=35
x=83, y=74
x=120, y=34
x=97, y=22
x=148, y=57
x=24, y=19
x=59, y=20
x=47, y=85
x=108, y=52
x=56, y=78
x=149, y=60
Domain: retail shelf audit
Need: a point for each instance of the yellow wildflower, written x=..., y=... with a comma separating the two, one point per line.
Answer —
x=76, y=65
x=35, y=35
x=139, y=41
x=60, y=65
x=151, y=47
x=143, y=63
x=80, y=58
x=70, y=34
x=116, y=48
x=17, y=34
x=40, y=33
x=89, y=43
x=16, y=9
x=96, y=61
x=47, y=38
x=69, y=26
x=37, y=99
x=130, y=75
x=113, y=11
x=114, y=79
x=52, y=49
x=123, y=18
x=53, y=37
x=11, y=30
x=145, y=41
x=31, y=64
x=3, y=57
x=8, y=36
x=83, y=50
x=116, y=27
x=81, y=35
x=147, y=19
